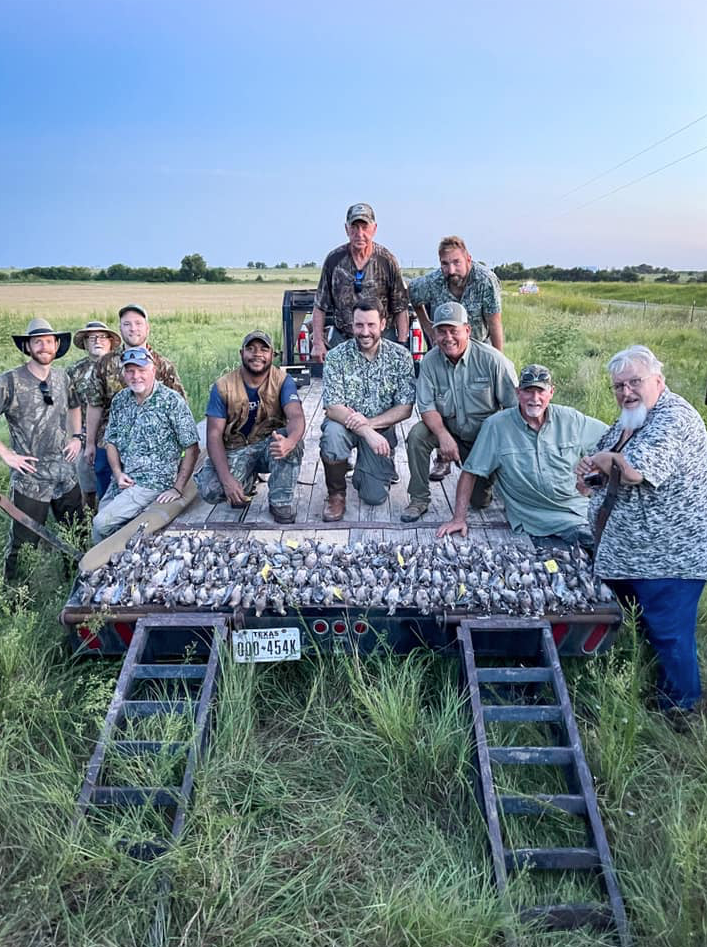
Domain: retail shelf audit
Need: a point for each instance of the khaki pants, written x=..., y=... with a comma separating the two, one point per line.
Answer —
x=124, y=506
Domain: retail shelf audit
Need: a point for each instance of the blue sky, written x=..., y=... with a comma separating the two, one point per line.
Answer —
x=137, y=132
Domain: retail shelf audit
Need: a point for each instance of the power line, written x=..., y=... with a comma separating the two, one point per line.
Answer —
x=638, y=154
x=622, y=187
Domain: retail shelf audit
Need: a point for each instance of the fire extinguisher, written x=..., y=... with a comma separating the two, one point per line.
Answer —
x=416, y=341
x=303, y=343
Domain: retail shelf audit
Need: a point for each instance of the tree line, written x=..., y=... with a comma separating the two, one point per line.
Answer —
x=193, y=269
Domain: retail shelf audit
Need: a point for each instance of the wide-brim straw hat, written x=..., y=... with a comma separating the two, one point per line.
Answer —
x=41, y=327
x=96, y=326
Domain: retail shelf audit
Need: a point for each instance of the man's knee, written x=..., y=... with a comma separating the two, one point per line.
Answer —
x=420, y=438
x=335, y=443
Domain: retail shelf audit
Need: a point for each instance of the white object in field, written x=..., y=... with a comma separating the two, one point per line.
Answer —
x=530, y=286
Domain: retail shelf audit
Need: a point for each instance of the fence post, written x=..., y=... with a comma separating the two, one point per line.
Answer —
x=692, y=311
x=645, y=306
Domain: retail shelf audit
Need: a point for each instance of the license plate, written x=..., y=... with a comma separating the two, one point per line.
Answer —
x=266, y=644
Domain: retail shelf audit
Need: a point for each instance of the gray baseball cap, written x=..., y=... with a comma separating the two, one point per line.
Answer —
x=258, y=336
x=535, y=376
x=360, y=212
x=451, y=314
x=133, y=307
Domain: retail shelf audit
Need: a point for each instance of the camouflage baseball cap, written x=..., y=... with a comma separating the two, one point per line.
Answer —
x=535, y=376
x=360, y=212
x=133, y=307
x=258, y=337
x=138, y=355
x=451, y=314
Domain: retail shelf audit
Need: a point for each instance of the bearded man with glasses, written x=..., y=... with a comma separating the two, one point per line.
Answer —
x=43, y=415
x=649, y=513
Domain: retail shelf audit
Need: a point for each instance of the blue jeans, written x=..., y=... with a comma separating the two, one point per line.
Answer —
x=669, y=616
x=101, y=468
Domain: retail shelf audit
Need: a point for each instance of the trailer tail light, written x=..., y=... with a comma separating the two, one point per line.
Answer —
x=89, y=638
x=339, y=627
x=303, y=343
x=594, y=638
x=124, y=631
x=360, y=627
x=320, y=627
x=559, y=632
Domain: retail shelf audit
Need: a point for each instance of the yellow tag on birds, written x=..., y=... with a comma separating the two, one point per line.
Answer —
x=401, y=561
x=338, y=594
x=462, y=589
x=292, y=543
x=265, y=571
x=551, y=566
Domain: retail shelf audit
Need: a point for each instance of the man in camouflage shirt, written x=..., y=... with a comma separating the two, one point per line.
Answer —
x=650, y=517
x=369, y=386
x=358, y=269
x=108, y=380
x=43, y=415
x=96, y=339
x=152, y=445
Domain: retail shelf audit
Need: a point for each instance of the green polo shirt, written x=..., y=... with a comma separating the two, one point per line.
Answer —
x=482, y=382
x=535, y=469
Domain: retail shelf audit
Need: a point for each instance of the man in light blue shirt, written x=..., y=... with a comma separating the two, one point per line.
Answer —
x=533, y=451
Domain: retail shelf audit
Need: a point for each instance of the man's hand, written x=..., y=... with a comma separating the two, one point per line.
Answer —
x=453, y=526
x=280, y=446
x=168, y=496
x=89, y=453
x=448, y=449
x=318, y=352
x=235, y=494
x=23, y=463
x=356, y=422
x=378, y=444
x=72, y=449
x=124, y=481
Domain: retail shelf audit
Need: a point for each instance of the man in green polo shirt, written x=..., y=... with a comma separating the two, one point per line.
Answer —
x=533, y=451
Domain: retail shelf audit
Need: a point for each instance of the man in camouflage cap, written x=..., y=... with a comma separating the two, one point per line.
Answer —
x=97, y=340
x=108, y=380
x=44, y=417
x=461, y=383
x=358, y=269
x=532, y=452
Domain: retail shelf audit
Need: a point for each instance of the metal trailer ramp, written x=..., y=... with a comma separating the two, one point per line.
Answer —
x=485, y=687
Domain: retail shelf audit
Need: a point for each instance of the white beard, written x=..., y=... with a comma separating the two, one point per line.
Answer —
x=631, y=419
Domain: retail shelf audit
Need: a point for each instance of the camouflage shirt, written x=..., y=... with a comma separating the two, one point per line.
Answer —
x=39, y=430
x=338, y=289
x=481, y=297
x=81, y=375
x=151, y=436
x=369, y=387
x=107, y=381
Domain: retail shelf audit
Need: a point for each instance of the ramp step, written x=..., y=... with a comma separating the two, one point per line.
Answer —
x=534, y=675
x=148, y=708
x=542, y=803
x=537, y=713
x=552, y=859
x=543, y=755
x=569, y=916
x=136, y=796
x=146, y=747
x=156, y=672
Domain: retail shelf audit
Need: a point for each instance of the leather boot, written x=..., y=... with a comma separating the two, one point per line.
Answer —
x=335, y=476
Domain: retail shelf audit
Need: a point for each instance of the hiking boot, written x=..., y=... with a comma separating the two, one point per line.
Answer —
x=413, y=511
x=440, y=469
x=335, y=476
x=334, y=508
x=282, y=514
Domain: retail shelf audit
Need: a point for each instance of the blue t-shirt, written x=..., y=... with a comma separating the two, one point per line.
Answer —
x=217, y=409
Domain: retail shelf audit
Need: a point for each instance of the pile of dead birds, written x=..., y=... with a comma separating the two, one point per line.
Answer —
x=205, y=571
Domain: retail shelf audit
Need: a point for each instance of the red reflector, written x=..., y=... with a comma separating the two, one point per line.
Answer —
x=339, y=627
x=124, y=631
x=594, y=638
x=559, y=631
x=89, y=638
x=320, y=627
x=360, y=627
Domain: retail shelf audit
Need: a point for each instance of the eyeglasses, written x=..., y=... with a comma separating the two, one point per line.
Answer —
x=44, y=388
x=358, y=281
x=632, y=383
x=99, y=336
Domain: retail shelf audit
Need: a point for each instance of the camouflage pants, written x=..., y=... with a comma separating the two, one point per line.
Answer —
x=245, y=463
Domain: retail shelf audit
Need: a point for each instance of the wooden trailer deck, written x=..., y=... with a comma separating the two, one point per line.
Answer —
x=361, y=520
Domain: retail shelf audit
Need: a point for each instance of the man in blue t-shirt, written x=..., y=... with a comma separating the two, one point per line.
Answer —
x=255, y=424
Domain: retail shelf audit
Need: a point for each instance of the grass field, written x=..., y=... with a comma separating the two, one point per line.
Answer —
x=335, y=807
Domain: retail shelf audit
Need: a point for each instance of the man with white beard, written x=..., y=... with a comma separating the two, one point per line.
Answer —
x=649, y=513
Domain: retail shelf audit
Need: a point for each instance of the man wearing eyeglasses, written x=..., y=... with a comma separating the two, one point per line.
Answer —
x=532, y=451
x=108, y=380
x=151, y=442
x=43, y=415
x=358, y=269
x=649, y=513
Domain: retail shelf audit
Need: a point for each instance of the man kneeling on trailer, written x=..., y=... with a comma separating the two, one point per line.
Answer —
x=152, y=445
x=533, y=450
x=255, y=424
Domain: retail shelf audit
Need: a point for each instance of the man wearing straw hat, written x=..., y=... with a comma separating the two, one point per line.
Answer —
x=44, y=418
x=97, y=340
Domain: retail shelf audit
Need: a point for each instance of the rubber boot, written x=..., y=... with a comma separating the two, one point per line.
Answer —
x=335, y=476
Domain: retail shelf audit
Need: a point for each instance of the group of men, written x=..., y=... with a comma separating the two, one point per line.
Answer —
x=635, y=491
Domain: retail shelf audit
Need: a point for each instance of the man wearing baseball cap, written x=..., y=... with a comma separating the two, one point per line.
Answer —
x=358, y=269
x=108, y=379
x=254, y=424
x=43, y=415
x=151, y=442
x=532, y=451
x=462, y=382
